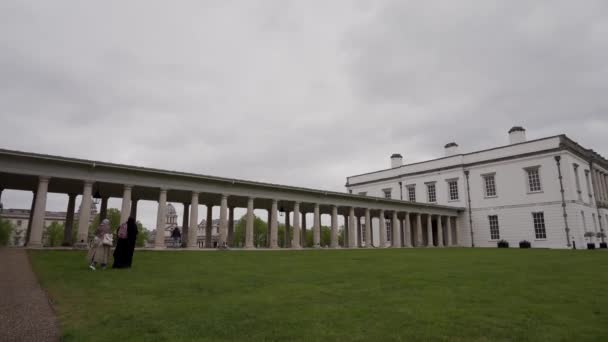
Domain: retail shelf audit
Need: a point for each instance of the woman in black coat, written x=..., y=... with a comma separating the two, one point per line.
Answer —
x=123, y=254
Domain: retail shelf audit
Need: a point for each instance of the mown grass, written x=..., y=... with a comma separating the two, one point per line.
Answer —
x=406, y=294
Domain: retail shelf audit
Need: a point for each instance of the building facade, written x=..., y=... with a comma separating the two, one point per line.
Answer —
x=20, y=219
x=548, y=191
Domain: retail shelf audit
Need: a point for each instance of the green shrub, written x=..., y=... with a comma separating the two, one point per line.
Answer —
x=6, y=229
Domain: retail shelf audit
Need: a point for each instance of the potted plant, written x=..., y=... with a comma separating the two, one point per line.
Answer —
x=525, y=244
x=590, y=236
x=602, y=235
x=503, y=244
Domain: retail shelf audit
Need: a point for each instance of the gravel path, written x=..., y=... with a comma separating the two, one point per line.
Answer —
x=25, y=311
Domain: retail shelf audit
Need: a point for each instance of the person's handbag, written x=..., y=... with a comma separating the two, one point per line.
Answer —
x=107, y=240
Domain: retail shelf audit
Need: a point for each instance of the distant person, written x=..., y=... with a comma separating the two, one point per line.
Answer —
x=125, y=246
x=176, y=235
x=99, y=252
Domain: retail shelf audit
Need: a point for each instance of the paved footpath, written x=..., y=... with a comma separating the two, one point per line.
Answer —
x=25, y=311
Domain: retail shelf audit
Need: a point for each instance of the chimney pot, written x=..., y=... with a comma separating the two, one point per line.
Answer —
x=396, y=160
x=517, y=134
x=451, y=149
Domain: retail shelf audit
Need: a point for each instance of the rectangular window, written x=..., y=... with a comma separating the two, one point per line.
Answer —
x=578, y=182
x=489, y=185
x=539, y=225
x=389, y=230
x=387, y=193
x=584, y=221
x=494, y=231
x=363, y=193
x=411, y=192
x=453, y=189
x=533, y=179
x=430, y=192
x=588, y=183
x=594, y=223
x=18, y=223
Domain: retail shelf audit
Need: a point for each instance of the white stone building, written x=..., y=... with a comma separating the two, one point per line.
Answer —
x=512, y=192
x=20, y=219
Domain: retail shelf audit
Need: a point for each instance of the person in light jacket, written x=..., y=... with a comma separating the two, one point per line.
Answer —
x=98, y=252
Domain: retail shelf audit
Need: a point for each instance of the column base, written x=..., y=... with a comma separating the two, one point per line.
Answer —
x=249, y=247
x=33, y=245
x=316, y=246
x=160, y=247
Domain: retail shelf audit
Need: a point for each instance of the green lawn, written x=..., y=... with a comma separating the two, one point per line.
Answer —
x=406, y=294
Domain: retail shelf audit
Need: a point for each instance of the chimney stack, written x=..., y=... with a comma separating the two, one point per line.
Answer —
x=517, y=134
x=396, y=160
x=451, y=149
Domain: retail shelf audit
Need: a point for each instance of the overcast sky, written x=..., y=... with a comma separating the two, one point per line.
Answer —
x=295, y=92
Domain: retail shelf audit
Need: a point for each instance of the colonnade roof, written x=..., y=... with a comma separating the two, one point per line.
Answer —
x=20, y=170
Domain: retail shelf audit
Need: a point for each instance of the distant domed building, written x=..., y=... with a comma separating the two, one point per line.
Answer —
x=172, y=222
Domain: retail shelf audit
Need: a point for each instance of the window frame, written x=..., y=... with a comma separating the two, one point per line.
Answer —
x=449, y=192
x=485, y=185
x=530, y=182
x=541, y=225
x=428, y=192
x=494, y=235
x=411, y=189
x=362, y=193
x=389, y=192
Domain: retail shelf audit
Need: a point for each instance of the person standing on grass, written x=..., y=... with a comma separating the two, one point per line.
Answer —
x=127, y=236
x=176, y=235
x=99, y=252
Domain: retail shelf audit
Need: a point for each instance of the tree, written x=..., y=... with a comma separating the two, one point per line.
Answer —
x=6, y=229
x=54, y=234
x=260, y=232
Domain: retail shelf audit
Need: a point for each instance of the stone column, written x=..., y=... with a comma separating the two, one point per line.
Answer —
x=419, y=239
x=346, y=231
x=185, y=225
x=159, y=242
x=448, y=241
x=268, y=227
x=28, y=232
x=85, y=215
x=382, y=229
x=334, y=227
x=209, y=227
x=274, y=224
x=231, y=226
x=352, y=228
x=368, y=229
x=287, y=224
x=69, y=220
x=316, y=228
x=439, y=231
x=455, y=242
x=295, y=238
x=134, y=208
x=125, y=210
x=249, y=224
x=193, y=229
x=429, y=230
x=396, y=240
x=359, y=236
x=35, y=238
x=603, y=184
x=223, y=238
x=407, y=231
x=303, y=241
x=103, y=210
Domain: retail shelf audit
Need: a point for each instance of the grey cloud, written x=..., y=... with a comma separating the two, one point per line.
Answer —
x=295, y=92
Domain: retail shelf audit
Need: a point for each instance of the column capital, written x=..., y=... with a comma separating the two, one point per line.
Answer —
x=164, y=190
x=127, y=186
x=44, y=179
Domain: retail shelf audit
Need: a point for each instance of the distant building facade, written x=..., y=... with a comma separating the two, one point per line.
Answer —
x=548, y=191
x=20, y=219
